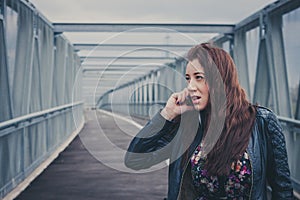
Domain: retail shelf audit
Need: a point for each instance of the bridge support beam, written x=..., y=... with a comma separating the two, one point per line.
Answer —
x=5, y=97
x=271, y=75
x=240, y=59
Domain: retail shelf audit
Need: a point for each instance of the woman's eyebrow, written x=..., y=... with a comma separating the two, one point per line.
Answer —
x=197, y=73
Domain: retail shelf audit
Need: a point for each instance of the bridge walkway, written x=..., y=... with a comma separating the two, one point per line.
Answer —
x=76, y=174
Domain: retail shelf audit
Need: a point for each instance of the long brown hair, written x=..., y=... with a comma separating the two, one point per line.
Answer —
x=239, y=113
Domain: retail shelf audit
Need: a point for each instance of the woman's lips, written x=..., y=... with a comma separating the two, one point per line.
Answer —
x=196, y=99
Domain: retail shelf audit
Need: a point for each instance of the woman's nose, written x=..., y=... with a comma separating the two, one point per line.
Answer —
x=191, y=86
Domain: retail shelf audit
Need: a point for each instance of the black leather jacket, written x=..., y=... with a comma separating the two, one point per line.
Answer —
x=161, y=139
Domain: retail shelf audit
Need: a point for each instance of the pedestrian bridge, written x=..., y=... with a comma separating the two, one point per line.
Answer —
x=69, y=109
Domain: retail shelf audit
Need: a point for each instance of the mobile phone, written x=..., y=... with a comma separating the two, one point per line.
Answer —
x=188, y=101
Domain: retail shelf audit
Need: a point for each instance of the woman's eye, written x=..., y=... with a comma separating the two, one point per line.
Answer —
x=199, y=77
x=187, y=78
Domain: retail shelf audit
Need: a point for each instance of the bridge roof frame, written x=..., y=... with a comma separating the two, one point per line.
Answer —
x=144, y=27
x=140, y=47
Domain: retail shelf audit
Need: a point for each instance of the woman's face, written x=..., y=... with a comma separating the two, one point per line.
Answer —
x=197, y=86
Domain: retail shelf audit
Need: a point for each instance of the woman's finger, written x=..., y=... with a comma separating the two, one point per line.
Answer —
x=181, y=97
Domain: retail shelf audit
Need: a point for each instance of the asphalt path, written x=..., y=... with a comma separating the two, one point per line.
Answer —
x=84, y=171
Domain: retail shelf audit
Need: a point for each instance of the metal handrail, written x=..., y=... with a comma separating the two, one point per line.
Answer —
x=289, y=120
x=292, y=124
x=29, y=118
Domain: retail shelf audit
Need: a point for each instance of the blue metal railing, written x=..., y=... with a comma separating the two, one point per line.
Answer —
x=27, y=141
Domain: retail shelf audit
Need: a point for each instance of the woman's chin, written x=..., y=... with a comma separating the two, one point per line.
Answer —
x=198, y=107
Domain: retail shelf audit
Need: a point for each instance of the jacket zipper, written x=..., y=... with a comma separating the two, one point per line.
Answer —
x=187, y=163
x=182, y=178
x=251, y=177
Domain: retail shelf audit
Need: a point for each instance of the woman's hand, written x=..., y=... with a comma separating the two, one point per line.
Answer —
x=176, y=105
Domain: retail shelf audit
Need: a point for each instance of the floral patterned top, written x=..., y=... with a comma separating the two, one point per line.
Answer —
x=236, y=186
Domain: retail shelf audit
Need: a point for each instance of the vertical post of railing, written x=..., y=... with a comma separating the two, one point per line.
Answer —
x=297, y=112
x=262, y=86
x=146, y=94
x=3, y=9
x=140, y=95
x=170, y=78
x=240, y=59
x=272, y=101
x=279, y=76
x=156, y=86
x=5, y=98
x=135, y=96
x=131, y=98
x=23, y=62
x=150, y=88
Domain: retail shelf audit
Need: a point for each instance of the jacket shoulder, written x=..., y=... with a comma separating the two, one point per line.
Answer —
x=265, y=113
x=269, y=117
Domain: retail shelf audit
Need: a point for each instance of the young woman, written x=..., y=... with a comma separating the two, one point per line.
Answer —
x=220, y=146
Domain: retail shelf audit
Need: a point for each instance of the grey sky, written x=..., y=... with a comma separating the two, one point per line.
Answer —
x=197, y=11
x=159, y=11
x=188, y=11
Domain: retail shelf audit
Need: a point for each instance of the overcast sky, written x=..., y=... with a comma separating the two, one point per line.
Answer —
x=198, y=11
x=152, y=11
x=155, y=11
